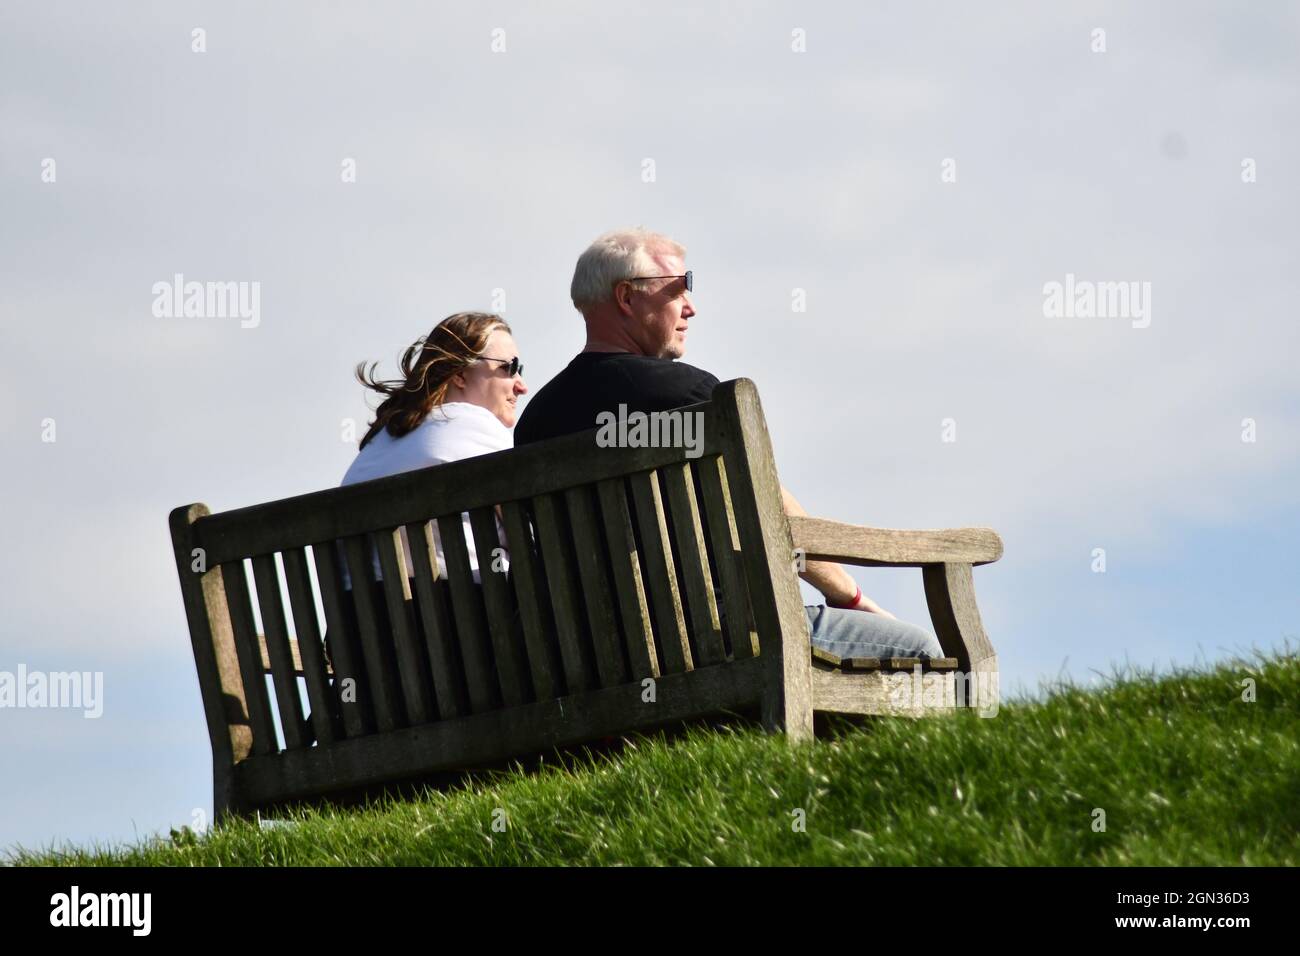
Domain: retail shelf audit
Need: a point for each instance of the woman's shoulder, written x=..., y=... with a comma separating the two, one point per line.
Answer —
x=452, y=431
x=455, y=424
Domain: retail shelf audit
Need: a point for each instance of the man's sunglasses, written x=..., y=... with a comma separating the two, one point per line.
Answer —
x=513, y=365
x=690, y=284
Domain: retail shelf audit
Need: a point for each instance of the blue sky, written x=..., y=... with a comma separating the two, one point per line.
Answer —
x=779, y=170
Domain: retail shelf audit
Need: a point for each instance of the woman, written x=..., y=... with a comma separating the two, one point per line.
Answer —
x=456, y=399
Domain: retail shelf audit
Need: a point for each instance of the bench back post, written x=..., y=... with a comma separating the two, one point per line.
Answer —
x=768, y=554
x=224, y=705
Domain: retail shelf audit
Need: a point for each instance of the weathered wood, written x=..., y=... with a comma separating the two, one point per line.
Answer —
x=235, y=580
x=661, y=574
x=820, y=656
x=596, y=587
x=823, y=540
x=454, y=487
x=381, y=681
x=283, y=675
x=215, y=658
x=882, y=693
x=486, y=737
x=558, y=562
x=955, y=616
x=511, y=661
x=925, y=663
x=355, y=708
x=308, y=651
x=701, y=605
x=628, y=589
x=779, y=615
x=607, y=610
x=450, y=691
x=295, y=658
x=417, y=695
x=726, y=555
x=543, y=654
x=467, y=610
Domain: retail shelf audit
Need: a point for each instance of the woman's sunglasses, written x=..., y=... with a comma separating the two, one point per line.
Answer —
x=513, y=365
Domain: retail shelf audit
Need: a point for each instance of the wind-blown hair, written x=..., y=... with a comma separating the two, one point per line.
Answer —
x=427, y=367
x=621, y=254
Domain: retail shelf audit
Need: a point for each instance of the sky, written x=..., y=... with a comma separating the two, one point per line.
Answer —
x=875, y=199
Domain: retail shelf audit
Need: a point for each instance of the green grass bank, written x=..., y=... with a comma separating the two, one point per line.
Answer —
x=1180, y=769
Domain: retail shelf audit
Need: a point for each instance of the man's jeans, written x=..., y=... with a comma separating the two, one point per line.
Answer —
x=862, y=634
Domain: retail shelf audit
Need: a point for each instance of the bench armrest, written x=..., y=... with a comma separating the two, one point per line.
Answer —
x=823, y=540
x=945, y=558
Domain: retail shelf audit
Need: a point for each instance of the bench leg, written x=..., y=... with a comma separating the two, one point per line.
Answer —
x=224, y=806
x=950, y=594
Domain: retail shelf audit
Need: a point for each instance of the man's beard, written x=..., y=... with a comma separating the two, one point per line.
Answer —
x=673, y=350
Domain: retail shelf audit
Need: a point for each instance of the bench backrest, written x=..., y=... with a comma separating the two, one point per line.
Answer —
x=618, y=556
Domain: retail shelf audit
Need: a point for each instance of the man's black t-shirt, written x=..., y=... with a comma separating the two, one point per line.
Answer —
x=596, y=382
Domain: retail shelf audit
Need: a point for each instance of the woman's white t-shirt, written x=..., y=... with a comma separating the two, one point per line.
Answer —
x=452, y=431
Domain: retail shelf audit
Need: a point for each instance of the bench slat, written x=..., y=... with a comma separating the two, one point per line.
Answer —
x=605, y=638
x=416, y=693
x=283, y=675
x=701, y=605
x=310, y=651
x=457, y=486
x=380, y=684
x=726, y=555
x=294, y=656
x=627, y=579
x=825, y=657
x=543, y=655
x=358, y=718
x=235, y=581
x=467, y=610
x=883, y=664
x=450, y=693
x=511, y=662
x=558, y=562
x=661, y=574
x=483, y=738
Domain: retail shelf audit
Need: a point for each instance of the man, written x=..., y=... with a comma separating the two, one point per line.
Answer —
x=634, y=293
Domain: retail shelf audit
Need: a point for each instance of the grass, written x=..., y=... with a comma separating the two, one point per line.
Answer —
x=1185, y=771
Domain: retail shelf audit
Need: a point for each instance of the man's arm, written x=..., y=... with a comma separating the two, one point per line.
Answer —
x=836, y=584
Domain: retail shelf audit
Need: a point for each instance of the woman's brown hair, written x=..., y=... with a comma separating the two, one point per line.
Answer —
x=427, y=367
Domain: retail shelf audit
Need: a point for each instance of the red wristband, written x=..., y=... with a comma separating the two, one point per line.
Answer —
x=851, y=605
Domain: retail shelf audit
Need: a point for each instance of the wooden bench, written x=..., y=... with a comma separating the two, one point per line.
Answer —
x=647, y=588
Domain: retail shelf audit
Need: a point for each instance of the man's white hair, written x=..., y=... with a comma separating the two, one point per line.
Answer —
x=621, y=254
